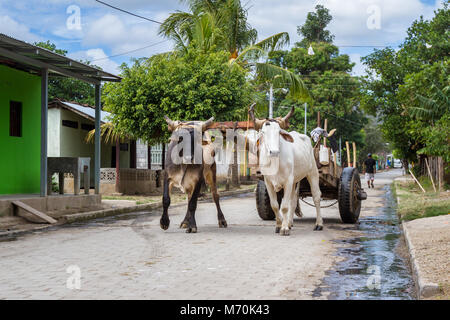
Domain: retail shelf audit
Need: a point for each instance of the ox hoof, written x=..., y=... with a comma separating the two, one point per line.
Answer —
x=223, y=224
x=277, y=229
x=164, y=224
x=285, y=232
x=318, y=228
x=183, y=225
x=191, y=230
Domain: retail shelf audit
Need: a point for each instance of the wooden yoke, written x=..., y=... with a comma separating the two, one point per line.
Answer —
x=223, y=126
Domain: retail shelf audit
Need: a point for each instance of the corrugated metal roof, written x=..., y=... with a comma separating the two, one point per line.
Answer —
x=22, y=55
x=85, y=111
x=104, y=115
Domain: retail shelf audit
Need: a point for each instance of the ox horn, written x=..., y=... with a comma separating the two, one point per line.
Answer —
x=285, y=121
x=207, y=123
x=170, y=123
x=258, y=123
x=251, y=112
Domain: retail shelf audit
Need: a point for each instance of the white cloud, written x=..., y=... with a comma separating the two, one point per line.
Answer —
x=98, y=57
x=349, y=23
x=14, y=29
x=123, y=35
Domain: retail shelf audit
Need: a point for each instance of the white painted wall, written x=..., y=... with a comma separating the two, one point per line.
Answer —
x=70, y=142
x=54, y=130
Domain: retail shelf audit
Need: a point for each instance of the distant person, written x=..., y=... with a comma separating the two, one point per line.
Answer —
x=370, y=170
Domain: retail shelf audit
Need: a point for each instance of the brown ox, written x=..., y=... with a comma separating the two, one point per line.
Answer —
x=189, y=177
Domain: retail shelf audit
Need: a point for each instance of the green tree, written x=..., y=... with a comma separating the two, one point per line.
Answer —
x=334, y=92
x=403, y=87
x=373, y=141
x=314, y=28
x=68, y=88
x=195, y=86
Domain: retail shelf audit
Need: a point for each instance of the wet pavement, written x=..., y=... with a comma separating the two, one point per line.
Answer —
x=372, y=267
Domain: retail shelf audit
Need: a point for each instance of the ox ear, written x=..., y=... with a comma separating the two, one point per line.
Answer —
x=286, y=136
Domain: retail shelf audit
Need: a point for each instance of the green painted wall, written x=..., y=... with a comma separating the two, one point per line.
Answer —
x=20, y=156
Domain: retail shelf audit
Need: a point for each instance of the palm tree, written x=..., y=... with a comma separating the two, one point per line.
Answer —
x=222, y=23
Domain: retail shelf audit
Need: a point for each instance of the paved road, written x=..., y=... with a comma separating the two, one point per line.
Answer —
x=132, y=258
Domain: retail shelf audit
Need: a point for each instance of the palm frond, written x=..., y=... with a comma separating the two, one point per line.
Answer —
x=249, y=53
x=260, y=49
x=109, y=134
x=275, y=42
x=177, y=27
x=283, y=78
x=432, y=107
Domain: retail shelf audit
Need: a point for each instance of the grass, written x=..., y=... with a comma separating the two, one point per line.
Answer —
x=414, y=204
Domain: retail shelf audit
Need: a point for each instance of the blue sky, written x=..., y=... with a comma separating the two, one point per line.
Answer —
x=105, y=32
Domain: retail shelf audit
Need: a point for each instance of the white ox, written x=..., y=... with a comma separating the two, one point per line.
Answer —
x=285, y=159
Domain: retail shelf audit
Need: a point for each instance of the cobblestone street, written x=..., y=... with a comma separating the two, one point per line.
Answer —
x=130, y=257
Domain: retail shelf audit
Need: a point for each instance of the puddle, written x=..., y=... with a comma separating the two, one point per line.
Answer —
x=372, y=268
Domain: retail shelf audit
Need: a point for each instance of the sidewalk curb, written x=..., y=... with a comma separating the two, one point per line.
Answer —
x=85, y=216
x=424, y=289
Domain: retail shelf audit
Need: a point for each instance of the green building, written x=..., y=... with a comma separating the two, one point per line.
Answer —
x=24, y=73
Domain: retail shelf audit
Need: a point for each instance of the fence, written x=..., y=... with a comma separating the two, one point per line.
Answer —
x=437, y=168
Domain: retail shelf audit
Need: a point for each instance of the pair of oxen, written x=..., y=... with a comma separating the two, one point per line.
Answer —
x=285, y=158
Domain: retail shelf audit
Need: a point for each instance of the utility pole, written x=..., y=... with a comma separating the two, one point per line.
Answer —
x=271, y=102
x=306, y=109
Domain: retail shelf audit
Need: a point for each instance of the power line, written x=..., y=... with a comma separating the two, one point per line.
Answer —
x=357, y=46
x=125, y=11
x=357, y=123
x=131, y=51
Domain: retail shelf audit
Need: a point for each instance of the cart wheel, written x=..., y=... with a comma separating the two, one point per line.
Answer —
x=349, y=201
x=265, y=211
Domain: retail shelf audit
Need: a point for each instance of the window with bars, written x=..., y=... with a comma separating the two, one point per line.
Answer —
x=15, y=119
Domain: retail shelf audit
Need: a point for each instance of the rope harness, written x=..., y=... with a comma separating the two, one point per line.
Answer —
x=309, y=204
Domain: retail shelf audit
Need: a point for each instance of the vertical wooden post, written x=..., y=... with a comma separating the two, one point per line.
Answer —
x=118, y=165
x=133, y=157
x=318, y=119
x=325, y=128
x=347, y=146
x=354, y=154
